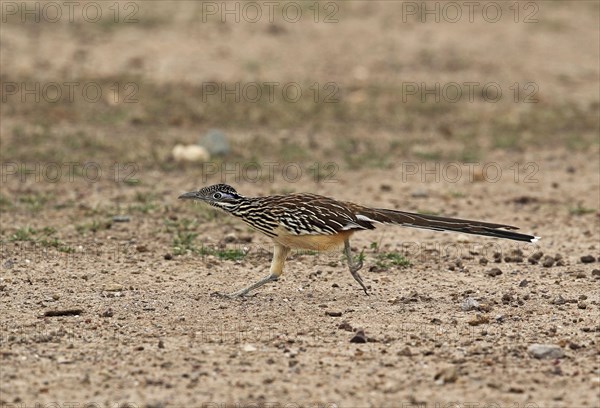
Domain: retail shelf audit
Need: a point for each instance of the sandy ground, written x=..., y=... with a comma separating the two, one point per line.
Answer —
x=141, y=326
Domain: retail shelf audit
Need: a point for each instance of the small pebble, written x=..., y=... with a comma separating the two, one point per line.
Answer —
x=406, y=352
x=485, y=307
x=523, y=283
x=545, y=351
x=120, y=218
x=469, y=304
x=64, y=312
x=538, y=255
x=248, y=348
x=446, y=376
x=420, y=193
x=535, y=258
x=478, y=319
x=345, y=326
x=190, y=153
x=588, y=259
x=494, y=272
x=582, y=305
x=359, y=337
x=333, y=313
x=548, y=261
x=215, y=142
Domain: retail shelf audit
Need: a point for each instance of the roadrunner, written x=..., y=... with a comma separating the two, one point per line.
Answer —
x=310, y=221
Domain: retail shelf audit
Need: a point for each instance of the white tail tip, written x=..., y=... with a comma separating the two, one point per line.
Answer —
x=535, y=239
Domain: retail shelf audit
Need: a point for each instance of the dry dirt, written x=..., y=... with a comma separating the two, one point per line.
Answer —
x=143, y=328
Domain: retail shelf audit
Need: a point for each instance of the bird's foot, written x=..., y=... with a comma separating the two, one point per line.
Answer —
x=354, y=268
x=244, y=292
x=358, y=278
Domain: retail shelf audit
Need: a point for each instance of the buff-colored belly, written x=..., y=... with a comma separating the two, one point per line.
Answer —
x=312, y=242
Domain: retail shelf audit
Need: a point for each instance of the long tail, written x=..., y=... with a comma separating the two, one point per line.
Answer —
x=437, y=223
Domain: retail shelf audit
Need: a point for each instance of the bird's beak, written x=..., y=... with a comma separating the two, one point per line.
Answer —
x=188, y=196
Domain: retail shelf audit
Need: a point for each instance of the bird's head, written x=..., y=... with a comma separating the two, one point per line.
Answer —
x=221, y=196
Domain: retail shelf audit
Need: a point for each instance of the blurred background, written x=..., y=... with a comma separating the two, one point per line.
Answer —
x=364, y=84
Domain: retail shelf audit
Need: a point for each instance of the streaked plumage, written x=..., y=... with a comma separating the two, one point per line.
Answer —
x=311, y=221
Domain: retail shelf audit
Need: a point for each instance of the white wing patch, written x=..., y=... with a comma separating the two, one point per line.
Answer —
x=352, y=225
x=365, y=218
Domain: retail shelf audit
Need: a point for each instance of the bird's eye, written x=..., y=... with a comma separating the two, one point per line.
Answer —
x=217, y=196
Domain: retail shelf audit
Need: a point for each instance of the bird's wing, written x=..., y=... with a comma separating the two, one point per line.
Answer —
x=310, y=214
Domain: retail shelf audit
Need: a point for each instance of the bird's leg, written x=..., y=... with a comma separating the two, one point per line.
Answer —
x=354, y=266
x=279, y=255
x=244, y=292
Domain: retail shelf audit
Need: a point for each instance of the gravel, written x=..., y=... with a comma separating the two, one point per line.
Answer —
x=587, y=259
x=545, y=351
